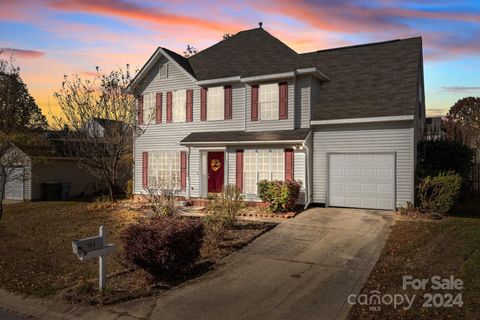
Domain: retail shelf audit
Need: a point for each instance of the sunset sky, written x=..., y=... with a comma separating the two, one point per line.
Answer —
x=50, y=38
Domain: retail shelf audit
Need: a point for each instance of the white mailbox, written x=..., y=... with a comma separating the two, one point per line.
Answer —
x=95, y=247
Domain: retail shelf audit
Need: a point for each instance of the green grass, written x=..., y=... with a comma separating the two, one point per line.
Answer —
x=424, y=248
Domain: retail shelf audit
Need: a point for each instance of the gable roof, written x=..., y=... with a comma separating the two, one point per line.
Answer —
x=372, y=80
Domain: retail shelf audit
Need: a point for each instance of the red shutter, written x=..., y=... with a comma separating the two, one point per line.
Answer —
x=228, y=102
x=254, y=103
x=158, y=110
x=169, y=106
x=283, y=100
x=183, y=172
x=239, y=170
x=203, y=104
x=145, y=169
x=288, y=164
x=189, y=106
x=140, y=110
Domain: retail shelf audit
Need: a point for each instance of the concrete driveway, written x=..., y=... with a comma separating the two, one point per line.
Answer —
x=303, y=269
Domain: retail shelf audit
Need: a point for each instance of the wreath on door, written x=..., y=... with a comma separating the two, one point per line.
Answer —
x=215, y=164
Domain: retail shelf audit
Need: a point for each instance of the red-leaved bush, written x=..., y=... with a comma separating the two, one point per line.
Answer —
x=165, y=247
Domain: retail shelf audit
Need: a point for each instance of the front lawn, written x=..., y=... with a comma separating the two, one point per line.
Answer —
x=422, y=249
x=36, y=253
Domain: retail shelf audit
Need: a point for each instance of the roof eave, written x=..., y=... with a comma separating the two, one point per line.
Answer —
x=148, y=66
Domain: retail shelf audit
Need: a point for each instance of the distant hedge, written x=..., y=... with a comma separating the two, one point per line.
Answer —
x=435, y=157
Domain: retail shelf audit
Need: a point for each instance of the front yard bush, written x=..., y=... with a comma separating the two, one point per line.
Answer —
x=438, y=194
x=281, y=196
x=225, y=207
x=165, y=247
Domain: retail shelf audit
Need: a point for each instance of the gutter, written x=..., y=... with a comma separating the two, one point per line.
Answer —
x=240, y=142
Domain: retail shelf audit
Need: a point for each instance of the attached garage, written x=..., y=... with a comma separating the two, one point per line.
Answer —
x=368, y=165
x=361, y=180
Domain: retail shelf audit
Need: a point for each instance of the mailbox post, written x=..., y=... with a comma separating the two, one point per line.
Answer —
x=93, y=247
x=102, y=268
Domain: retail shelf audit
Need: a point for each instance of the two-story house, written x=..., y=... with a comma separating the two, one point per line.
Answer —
x=342, y=121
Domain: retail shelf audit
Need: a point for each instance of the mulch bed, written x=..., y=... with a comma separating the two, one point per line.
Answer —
x=133, y=283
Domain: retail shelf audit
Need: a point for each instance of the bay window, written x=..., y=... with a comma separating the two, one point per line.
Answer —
x=268, y=97
x=164, y=169
x=179, y=106
x=262, y=164
x=215, y=103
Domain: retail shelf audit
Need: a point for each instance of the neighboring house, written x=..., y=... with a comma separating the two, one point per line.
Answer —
x=343, y=121
x=433, y=128
x=48, y=165
x=99, y=127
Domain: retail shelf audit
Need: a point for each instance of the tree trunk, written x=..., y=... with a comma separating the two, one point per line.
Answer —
x=3, y=182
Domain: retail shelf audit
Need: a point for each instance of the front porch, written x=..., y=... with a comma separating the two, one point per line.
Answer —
x=241, y=158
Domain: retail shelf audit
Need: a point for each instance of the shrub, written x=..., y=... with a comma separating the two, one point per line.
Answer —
x=281, y=196
x=225, y=207
x=438, y=194
x=165, y=247
x=439, y=156
x=162, y=201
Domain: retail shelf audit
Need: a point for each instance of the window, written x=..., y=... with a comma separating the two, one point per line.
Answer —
x=163, y=72
x=164, y=169
x=215, y=104
x=268, y=101
x=179, y=105
x=149, y=105
x=262, y=164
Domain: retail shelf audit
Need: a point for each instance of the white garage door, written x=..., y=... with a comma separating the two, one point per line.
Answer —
x=362, y=180
x=14, y=187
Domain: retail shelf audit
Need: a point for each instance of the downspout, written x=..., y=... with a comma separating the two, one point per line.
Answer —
x=307, y=171
x=188, y=172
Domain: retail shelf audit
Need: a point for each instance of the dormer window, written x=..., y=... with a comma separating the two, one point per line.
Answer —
x=268, y=101
x=215, y=103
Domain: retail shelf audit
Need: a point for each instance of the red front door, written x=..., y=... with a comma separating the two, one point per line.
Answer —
x=215, y=171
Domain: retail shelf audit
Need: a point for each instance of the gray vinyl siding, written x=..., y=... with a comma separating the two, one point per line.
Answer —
x=299, y=172
x=167, y=136
x=303, y=101
x=397, y=138
x=315, y=96
x=232, y=165
x=287, y=124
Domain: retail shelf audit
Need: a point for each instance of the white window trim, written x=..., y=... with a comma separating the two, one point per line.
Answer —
x=164, y=167
x=218, y=103
x=149, y=106
x=179, y=102
x=268, y=98
x=270, y=170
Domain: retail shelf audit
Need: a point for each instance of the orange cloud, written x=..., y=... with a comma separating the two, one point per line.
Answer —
x=21, y=53
x=123, y=9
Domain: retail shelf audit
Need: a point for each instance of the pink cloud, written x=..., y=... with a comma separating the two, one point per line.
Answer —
x=21, y=53
x=134, y=11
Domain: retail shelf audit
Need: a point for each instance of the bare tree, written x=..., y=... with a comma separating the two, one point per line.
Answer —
x=190, y=51
x=101, y=120
x=20, y=119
